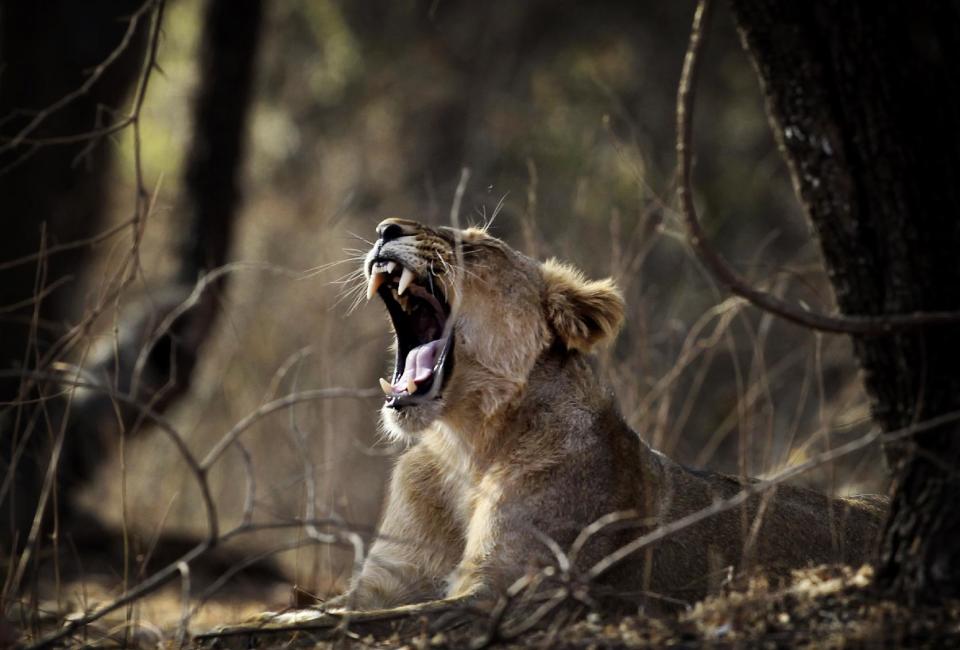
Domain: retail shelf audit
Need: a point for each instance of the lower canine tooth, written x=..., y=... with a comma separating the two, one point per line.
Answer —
x=386, y=386
x=405, y=279
x=411, y=386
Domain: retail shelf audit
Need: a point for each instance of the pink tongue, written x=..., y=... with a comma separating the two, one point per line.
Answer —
x=419, y=364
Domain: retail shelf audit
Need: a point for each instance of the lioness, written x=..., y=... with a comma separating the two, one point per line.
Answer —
x=516, y=446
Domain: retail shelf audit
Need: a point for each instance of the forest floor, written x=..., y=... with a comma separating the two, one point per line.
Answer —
x=823, y=607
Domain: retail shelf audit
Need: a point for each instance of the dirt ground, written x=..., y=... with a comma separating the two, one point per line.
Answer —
x=823, y=607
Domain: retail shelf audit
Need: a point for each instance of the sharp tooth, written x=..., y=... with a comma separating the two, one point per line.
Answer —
x=376, y=279
x=391, y=266
x=386, y=386
x=405, y=279
x=411, y=386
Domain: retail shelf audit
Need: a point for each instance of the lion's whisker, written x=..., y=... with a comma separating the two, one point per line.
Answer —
x=352, y=276
x=363, y=239
x=315, y=270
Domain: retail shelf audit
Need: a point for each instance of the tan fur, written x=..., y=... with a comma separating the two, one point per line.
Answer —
x=526, y=443
x=581, y=313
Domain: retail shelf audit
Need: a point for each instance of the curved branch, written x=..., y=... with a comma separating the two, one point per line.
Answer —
x=199, y=472
x=725, y=274
x=279, y=404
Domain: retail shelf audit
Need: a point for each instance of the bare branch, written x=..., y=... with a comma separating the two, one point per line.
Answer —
x=721, y=269
x=149, y=585
x=60, y=248
x=42, y=115
x=144, y=411
x=280, y=404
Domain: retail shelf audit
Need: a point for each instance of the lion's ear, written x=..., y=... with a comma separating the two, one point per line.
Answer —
x=583, y=313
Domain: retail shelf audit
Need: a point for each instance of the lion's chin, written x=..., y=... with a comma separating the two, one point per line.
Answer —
x=405, y=425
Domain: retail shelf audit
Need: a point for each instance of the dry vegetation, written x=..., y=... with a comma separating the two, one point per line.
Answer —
x=821, y=607
x=568, y=156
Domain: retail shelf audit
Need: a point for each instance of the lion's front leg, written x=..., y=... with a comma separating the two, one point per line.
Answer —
x=497, y=556
x=523, y=525
x=501, y=546
x=417, y=544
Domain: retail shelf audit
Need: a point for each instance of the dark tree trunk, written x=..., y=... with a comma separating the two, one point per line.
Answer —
x=47, y=51
x=207, y=210
x=208, y=206
x=865, y=101
x=214, y=161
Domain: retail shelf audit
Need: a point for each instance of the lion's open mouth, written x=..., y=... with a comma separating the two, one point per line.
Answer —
x=420, y=311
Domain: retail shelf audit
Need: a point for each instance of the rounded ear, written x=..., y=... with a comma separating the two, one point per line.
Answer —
x=583, y=313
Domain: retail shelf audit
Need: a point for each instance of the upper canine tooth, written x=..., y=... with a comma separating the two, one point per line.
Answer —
x=405, y=279
x=391, y=266
x=376, y=279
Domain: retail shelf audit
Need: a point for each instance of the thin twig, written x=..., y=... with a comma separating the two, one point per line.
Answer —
x=129, y=266
x=184, y=569
x=85, y=87
x=171, y=571
x=149, y=585
x=236, y=568
x=60, y=248
x=207, y=280
x=280, y=404
x=144, y=411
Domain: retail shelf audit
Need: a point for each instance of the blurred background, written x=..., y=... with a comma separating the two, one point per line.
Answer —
x=564, y=114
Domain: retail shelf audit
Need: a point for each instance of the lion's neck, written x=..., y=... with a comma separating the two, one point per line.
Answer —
x=565, y=410
x=563, y=398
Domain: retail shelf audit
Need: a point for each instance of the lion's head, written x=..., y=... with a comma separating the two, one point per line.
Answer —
x=471, y=317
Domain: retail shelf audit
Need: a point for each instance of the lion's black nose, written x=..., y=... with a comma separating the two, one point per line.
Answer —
x=388, y=231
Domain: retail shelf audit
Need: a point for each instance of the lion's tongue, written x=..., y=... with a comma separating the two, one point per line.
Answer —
x=419, y=364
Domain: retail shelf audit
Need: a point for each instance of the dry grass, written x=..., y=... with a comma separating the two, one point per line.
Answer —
x=822, y=607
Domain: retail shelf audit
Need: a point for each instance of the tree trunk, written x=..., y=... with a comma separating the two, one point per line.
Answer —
x=48, y=50
x=214, y=162
x=864, y=98
x=207, y=210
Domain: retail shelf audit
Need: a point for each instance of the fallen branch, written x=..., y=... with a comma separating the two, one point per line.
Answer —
x=319, y=621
